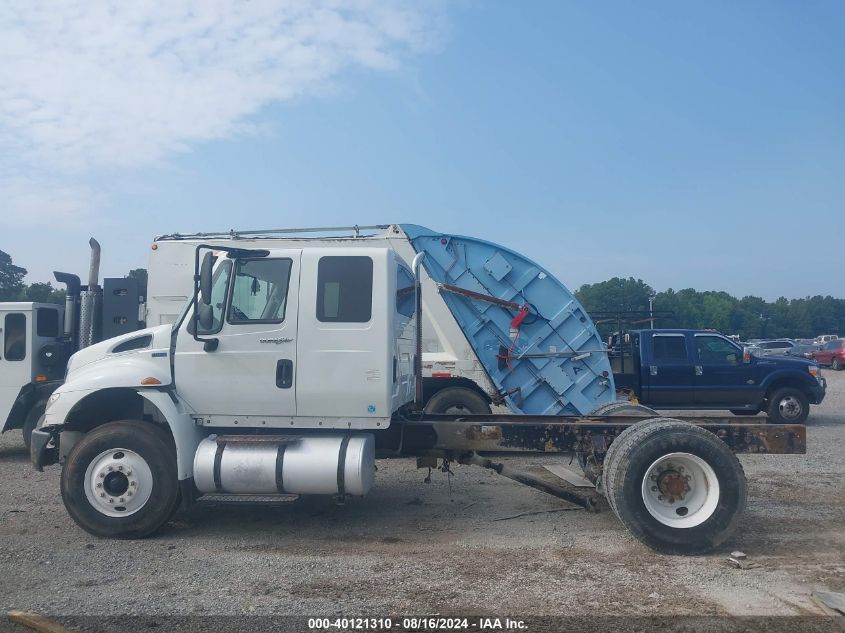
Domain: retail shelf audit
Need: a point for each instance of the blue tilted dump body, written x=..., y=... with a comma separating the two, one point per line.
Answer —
x=537, y=343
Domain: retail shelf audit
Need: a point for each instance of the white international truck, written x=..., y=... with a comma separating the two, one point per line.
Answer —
x=290, y=368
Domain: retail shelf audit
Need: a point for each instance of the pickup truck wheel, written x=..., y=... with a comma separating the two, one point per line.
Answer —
x=677, y=488
x=33, y=419
x=788, y=406
x=835, y=365
x=120, y=480
x=457, y=401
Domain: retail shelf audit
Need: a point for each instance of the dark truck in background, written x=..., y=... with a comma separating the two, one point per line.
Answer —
x=695, y=369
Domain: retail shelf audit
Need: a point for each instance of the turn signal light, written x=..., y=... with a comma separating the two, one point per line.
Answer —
x=41, y=378
x=149, y=380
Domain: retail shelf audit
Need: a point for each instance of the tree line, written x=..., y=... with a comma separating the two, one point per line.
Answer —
x=749, y=317
x=13, y=288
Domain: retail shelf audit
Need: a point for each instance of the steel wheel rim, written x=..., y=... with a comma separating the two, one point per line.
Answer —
x=457, y=409
x=118, y=482
x=680, y=490
x=790, y=407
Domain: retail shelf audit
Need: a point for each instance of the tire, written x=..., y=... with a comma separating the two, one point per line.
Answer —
x=457, y=401
x=119, y=461
x=33, y=419
x=623, y=408
x=744, y=412
x=835, y=365
x=590, y=470
x=672, y=450
x=788, y=405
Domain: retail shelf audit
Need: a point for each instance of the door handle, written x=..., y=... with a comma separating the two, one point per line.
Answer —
x=284, y=374
x=652, y=370
x=699, y=370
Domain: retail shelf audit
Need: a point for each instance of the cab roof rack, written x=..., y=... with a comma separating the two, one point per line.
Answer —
x=242, y=234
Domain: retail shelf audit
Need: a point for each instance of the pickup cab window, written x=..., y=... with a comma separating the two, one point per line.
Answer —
x=714, y=350
x=670, y=348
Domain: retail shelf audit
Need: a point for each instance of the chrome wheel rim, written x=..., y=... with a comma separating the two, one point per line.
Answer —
x=118, y=482
x=680, y=490
x=790, y=407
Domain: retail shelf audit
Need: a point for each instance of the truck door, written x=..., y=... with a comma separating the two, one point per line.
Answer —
x=252, y=371
x=15, y=363
x=721, y=379
x=667, y=369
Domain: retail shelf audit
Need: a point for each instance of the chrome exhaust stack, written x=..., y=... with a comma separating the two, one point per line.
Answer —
x=90, y=301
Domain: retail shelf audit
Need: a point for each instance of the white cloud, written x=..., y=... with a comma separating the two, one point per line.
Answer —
x=87, y=85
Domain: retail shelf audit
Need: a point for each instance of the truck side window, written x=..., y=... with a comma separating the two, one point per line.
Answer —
x=260, y=291
x=405, y=292
x=345, y=289
x=219, y=285
x=672, y=348
x=14, y=336
x=47, y=322
x=713, y=350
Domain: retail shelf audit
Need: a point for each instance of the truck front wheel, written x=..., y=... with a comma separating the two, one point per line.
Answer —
x=676, y=487
x=788, y=406
x=120, y=480
x=457, y=401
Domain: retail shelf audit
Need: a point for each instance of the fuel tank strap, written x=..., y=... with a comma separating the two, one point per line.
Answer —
x=218, y=460
x=280, y=463
x=341, y=467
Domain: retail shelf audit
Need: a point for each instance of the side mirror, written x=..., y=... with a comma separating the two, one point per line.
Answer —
x=205, y=280
x=206, y=316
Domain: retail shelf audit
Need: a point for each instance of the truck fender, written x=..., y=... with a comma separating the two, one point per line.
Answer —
x=176, y=414
x=30, y=394
x=797, y=378
x=186, y=434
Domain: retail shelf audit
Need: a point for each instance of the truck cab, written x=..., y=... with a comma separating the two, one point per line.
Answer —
x=272, y=381
x=699, y=369
x=28, y=361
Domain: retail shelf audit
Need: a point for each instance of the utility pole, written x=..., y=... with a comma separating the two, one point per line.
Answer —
x=651, y=310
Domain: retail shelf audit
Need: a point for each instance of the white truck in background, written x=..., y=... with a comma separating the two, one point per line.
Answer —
x=37, y=339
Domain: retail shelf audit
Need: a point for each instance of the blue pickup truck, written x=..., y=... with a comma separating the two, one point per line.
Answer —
x=695, y=369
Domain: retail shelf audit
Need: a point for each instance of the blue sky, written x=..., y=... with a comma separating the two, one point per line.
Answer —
x=692, y=145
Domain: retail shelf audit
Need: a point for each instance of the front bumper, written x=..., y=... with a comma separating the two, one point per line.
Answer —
x=819, y=390
x=44, y=448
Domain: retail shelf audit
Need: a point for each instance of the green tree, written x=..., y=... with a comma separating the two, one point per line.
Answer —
x=43, y=293
x=141, y=275
x=11, y=278
x=615, y=295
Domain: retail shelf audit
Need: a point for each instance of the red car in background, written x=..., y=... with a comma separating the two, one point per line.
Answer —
x=833, y=354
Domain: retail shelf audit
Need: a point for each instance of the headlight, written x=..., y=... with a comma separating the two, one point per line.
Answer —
x=55, y=396
x=814, y=370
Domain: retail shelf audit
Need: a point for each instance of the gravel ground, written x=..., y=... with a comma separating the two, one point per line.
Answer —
x=411, y=547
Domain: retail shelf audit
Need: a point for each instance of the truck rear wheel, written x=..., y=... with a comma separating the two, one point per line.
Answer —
x=457, y=401
x=676, y=487
x=788, y=406
x=120, y=480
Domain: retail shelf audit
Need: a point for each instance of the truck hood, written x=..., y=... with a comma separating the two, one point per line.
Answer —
x=787, y=362
x=151, y=344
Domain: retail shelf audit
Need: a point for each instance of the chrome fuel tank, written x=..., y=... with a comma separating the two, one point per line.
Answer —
x=314, y=465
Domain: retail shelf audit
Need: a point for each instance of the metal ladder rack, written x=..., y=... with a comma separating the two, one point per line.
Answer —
x=250, y=234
